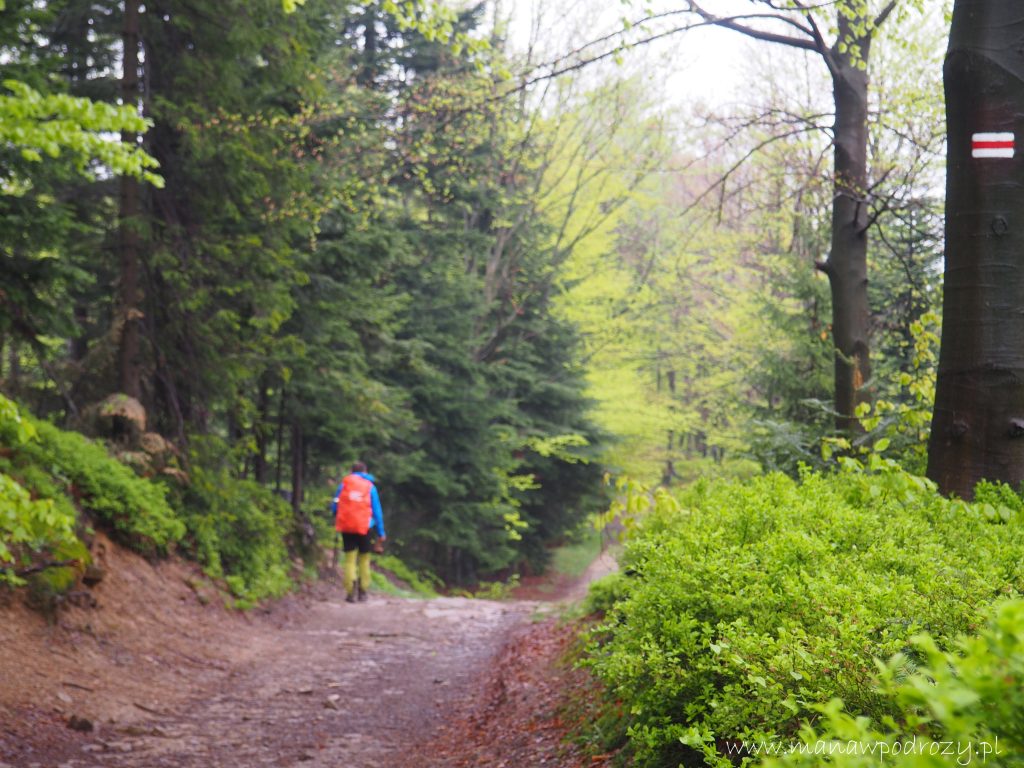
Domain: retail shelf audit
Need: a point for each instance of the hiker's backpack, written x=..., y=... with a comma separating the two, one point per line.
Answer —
x=355, y=507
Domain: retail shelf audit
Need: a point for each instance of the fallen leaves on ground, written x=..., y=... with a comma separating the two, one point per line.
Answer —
x=522, y=715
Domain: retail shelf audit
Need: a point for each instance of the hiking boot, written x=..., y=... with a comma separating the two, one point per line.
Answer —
x=350, y=598
x=362, y=595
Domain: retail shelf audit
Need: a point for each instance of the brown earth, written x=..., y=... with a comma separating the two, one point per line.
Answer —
x=529, y=703
x=157, y=673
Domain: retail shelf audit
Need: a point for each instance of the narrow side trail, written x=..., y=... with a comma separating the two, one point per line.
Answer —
x=313, y=682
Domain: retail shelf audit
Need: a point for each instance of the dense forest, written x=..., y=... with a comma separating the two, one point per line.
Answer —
x=364, y=232
x=245, y=245
x=335, y=252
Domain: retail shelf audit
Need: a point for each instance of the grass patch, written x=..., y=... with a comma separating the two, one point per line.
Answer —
x=574, y=558
x=418, y=584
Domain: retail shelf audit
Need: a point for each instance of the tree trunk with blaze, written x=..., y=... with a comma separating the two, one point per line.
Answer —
x=978, y=422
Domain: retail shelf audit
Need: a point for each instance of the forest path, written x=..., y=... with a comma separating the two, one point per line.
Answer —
x=337, y=684
x=314, y=681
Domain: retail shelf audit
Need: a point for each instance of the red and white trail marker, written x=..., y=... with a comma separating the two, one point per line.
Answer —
x=992, y=145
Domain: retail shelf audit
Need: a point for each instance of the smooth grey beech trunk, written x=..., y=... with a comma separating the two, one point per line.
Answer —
x=978, y=423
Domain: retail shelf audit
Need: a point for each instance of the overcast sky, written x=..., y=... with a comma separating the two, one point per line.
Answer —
x=708, y=64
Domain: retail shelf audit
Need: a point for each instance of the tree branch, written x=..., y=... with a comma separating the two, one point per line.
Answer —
x=44, y=566
x=732, y=23
x=880, y=18
x=724, y=178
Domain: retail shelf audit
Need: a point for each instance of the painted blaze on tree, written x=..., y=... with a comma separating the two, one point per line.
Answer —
x=978, y=425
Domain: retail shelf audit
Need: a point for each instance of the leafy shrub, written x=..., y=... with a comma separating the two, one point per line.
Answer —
x=604, y=593
x=899, y=427
x=422, y=584
x=53, y=464
x=965, y=706
x=237, y=529
x=750, y=605
x=29, y=527
x=134, y=509
x=42, y=469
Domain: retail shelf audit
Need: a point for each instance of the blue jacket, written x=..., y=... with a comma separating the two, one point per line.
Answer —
x=377, y=520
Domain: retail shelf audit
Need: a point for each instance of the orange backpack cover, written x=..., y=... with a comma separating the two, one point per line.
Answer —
x=355, y=507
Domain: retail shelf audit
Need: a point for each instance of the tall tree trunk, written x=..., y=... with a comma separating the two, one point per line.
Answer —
x=280, y=438
x=13, y=366
x=847, y=263
x=368, y=71
x=260, y=431
x=298, y=464
x=670, y=467
x=79, y=346
x=978, y=422
x=129, y=369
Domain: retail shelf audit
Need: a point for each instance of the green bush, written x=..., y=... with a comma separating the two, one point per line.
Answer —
x=42, y=469
x=135, y=510
x=604, y=593
x=31, y=529
x=965, y=707
x=751, y=604
x=420, y=584
x=237, y=529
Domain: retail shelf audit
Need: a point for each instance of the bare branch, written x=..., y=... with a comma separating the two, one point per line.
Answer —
x=39, y=567
x=739, y=163
x=611, y=36
x=880, y=18
x=732, y=22
x=814, y=41
x=526, y=83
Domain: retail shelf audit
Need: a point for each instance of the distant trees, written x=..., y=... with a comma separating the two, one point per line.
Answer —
x=841, y=34
x=854, y=25
x=342, y=262
x=713, y=323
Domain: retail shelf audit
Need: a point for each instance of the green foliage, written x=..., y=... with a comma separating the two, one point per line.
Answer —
x=344, y=262
x=41, y=125
x=899, y=428
x=604, y=593
x=46, y=477
x=491, y=590
x=961, y=706
x=421, y=584
x=582, y=547
x=55, y=465
x=237, y=529
x=748, y=606
x=29, y=529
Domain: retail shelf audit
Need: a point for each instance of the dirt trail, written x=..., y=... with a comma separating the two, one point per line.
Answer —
x=314, y=682
x=341, y=684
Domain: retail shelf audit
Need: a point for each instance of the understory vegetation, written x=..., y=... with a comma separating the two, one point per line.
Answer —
x=842, y=606
x=59, y=488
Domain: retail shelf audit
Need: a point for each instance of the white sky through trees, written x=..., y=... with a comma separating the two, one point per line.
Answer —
x=707, y=64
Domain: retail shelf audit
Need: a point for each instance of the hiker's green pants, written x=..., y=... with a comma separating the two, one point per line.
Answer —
x=352, y=557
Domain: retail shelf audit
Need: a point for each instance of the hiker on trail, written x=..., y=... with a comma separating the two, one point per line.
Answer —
x=357, y=510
